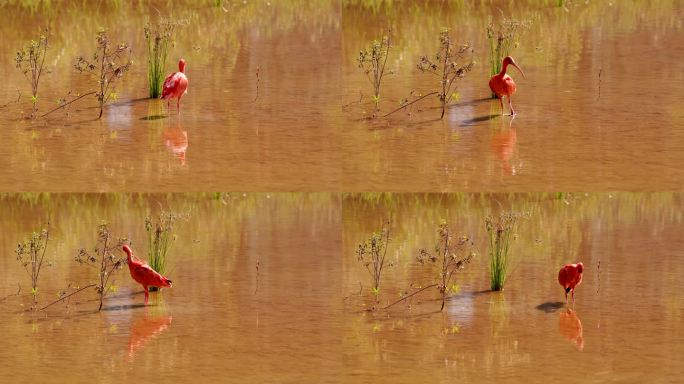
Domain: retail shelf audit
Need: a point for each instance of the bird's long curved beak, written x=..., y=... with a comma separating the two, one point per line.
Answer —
x=518, y=68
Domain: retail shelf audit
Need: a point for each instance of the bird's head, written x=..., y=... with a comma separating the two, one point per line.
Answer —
x=580, y=267
x=128, y=251
x=509, y=61
x=181, y=65
x=167, y=283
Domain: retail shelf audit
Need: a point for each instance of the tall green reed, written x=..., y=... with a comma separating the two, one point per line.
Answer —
x=159, y=39
x=500, y=233
x=159, y=237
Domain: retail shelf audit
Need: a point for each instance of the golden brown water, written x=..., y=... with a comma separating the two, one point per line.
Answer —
x=229, y=136
x=267, y=287
x=216, y=319
x=627, y=322
x=302, y=318
x=572, y=132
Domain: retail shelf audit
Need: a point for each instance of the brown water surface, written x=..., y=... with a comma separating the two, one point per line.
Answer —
x=221, y=320
x=598, y=109
x=234, y=132
x=626, y=325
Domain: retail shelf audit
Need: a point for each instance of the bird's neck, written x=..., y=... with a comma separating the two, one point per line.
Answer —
x=503, y=69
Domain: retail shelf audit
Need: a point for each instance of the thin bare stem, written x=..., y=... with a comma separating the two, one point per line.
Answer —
x=412, y=102
x=411, y=295
x=67, y=296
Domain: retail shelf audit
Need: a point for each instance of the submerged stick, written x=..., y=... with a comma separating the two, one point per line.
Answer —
x=257, y=85
x=407, y=296
x=354, y=102
x=67, y=296
x=12, y=102
x=598, y=289
x=411, y=103
x=599, y=85
x=256, y=288
x=13, y=294
x=65, y=104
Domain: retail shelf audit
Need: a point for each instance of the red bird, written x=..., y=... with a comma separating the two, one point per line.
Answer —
x=144, y=274
x=503, y=85
x=175, y=85
x=570, y=276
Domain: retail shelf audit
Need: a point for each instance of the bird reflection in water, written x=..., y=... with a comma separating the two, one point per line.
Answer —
x=176, y=141
x=503, y=146
x=145, y=329
x=570, y=328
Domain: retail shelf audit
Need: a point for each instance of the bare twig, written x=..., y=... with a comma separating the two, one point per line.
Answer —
x=598, y=268
x=354, y=102
x=257, y=84
x=599, y=84
x=67, y=296
x=411, y=103
x=256, y=288
x=412, y=294
x=12, y=294
x=12, y=102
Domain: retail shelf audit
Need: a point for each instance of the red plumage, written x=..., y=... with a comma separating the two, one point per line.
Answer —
x=144, y=274
x=503, y=85
x=175, y=85
x=570, y=276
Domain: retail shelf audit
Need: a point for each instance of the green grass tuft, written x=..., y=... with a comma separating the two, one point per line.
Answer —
x=159, y=39
x=500, y=232
x=159, y=238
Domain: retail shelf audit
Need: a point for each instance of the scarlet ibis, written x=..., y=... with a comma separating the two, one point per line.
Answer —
x=144, y=274
x=175, y=85
x=503, y=85
x=570, y=276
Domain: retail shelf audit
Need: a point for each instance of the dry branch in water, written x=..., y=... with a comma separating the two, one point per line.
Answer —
x=372, y=253
x=450, y=64
x=64, y=297
x=105, y=65
x=453, y=253
x=30, y=61
x=103, y=259
x=372, y=60
x=257, y=84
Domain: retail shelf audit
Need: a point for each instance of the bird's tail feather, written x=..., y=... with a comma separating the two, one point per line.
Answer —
x=567, y=290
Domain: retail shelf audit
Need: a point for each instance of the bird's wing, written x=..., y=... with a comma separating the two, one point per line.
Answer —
x=147, y=275
x=169, y=84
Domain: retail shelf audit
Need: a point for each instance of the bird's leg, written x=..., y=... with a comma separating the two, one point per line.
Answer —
x=573, y=298
x=147, y=295
x=566, y=297
x=502, y=107
x=510, y=104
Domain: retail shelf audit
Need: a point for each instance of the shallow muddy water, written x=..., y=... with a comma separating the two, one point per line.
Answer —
x=220, y=320
x=301, y=316
x=597, y=110
x=235, y=132
x=627, y=321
